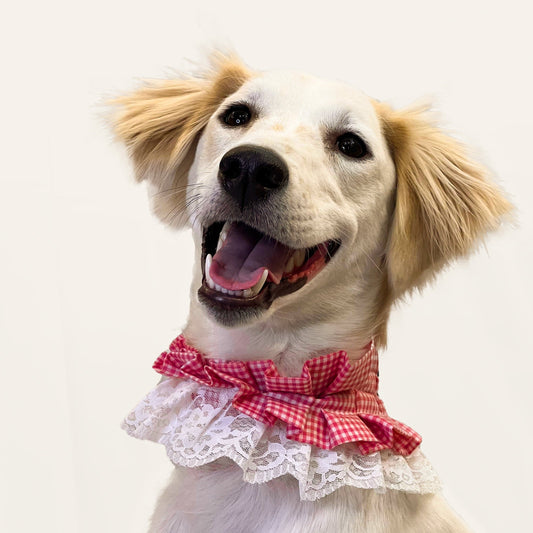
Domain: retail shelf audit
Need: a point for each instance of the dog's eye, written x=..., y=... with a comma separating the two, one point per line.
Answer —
x=237, y=115
x=352, y=145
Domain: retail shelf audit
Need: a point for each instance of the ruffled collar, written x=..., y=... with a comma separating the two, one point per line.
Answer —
x=334, y=401
x=198, y=425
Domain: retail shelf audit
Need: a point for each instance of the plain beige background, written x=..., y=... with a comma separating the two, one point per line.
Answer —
x=92, y=287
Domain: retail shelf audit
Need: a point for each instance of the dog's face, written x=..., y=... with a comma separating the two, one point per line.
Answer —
x=305, y=197
x=290, y=192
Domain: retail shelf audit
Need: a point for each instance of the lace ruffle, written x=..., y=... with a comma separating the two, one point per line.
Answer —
x=198, y=425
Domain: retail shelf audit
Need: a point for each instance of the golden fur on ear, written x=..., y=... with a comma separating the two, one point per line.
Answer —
x=444, y=203
x=161, y=123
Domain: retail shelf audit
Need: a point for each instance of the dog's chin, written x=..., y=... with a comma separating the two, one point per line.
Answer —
x=244, y=271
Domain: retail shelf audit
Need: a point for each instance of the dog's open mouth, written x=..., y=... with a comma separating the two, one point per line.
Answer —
x=243, y=267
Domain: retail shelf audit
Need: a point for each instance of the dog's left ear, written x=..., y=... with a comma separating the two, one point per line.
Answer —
x=444, y=203
x=161, y=122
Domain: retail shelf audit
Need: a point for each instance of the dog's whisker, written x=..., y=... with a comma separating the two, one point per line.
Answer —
x=176, y=212
x=197, y=211
x=373, y=262
x=177, y=190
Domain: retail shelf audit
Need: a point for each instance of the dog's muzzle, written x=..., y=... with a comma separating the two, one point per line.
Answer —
x=244, y=268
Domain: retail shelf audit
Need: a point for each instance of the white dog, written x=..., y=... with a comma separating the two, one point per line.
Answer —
x=314, y=209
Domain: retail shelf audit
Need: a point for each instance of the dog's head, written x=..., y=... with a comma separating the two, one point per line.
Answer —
x=304, y=195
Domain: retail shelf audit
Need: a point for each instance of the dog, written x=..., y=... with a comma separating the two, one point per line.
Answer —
x=313, y=209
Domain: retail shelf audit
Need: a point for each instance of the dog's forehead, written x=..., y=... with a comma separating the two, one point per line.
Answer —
x=306, y=96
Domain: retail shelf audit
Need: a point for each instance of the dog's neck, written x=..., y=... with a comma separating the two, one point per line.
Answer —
x=290, y=342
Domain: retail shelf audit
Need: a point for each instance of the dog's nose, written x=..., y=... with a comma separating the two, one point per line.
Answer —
x=249, y=173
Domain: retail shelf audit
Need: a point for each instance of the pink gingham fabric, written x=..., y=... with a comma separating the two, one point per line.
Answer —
x=332, y=402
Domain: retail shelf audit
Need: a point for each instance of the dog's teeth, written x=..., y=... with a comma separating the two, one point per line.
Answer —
x=223, y=235
x=289, y=267
x=253, y=291
x=218, y=288
x=259, y=285
x=221, y=240
x=207, y=267
x=299, y=258
x=225, y=229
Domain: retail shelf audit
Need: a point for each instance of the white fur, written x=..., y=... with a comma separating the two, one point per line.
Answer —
x=328, y=196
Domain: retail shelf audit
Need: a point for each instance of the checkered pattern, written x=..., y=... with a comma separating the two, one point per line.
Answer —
x=334, y=401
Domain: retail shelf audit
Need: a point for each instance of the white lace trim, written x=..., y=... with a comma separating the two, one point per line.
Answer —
x=198, y=425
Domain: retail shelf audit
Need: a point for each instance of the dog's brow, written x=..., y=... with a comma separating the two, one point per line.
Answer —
x=254, y=97
x=252, y=100
x=337, y=119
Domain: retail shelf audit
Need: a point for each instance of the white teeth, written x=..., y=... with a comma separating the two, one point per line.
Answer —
x=259, y=285
x=299, y=258
x=208, y=260
x=235, y=293
x=223, y=235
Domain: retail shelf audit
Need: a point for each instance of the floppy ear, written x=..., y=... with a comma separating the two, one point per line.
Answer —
x=444, y=203
x=161, y=123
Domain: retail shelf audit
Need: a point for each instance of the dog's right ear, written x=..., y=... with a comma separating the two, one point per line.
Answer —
x=161, y=122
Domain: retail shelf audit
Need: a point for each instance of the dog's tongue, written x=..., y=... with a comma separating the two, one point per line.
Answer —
x=244, y=256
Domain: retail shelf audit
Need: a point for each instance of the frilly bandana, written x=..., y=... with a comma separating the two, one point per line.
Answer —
x=334, y=401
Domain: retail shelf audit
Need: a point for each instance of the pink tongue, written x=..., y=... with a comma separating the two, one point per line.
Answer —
x=244, y=256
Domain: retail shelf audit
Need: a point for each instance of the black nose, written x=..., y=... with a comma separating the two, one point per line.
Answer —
x=249, y=173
